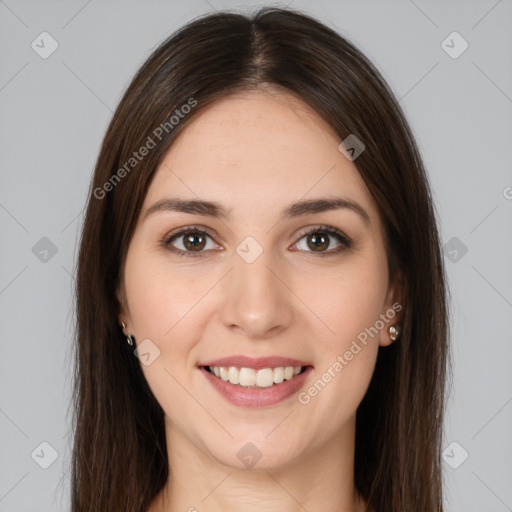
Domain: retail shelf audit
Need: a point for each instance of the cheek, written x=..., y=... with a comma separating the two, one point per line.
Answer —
x=346, y=301
x=349, y=301
x=163, y=304
x=161, y=299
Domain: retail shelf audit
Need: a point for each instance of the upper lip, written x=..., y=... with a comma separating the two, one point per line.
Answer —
x=255, y=362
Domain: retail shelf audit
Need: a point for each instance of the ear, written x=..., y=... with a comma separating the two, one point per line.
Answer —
x=392, y=313
x=124, y=314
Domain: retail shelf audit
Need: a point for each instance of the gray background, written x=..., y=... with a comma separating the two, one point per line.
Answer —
x=54, y=113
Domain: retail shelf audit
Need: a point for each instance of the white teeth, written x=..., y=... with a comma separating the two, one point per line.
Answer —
x=264, y=377
x=233, y=375
x=249, y=377
x=223, y=374
x=278, y=375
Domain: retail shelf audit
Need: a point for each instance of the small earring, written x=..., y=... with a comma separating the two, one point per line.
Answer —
x=129, y=338
x=394, y=331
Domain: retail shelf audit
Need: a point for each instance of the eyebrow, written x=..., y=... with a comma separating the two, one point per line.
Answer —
x=213, y=209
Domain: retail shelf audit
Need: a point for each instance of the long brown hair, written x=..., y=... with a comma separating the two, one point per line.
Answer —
x=119, y=460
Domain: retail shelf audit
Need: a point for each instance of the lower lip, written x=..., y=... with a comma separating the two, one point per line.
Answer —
x=257, y=397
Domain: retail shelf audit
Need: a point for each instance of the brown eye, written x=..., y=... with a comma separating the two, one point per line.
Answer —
x=318, y=240
x=188, y=242
x=194, y=241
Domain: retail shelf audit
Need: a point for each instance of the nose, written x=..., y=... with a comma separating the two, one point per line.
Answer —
x=258, y=301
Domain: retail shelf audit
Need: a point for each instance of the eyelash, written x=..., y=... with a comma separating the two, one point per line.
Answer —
x=345, y=242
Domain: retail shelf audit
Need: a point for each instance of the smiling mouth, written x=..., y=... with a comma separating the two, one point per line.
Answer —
x=251, y=378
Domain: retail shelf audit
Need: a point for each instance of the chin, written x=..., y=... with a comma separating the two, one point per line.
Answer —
x=254, y=453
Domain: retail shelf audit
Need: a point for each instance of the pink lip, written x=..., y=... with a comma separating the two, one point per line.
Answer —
x=257, y=397
x=255, y=363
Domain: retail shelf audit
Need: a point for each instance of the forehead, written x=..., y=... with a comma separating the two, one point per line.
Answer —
x=255, y=151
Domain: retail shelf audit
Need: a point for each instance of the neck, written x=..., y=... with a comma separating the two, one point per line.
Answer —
x=321, y=479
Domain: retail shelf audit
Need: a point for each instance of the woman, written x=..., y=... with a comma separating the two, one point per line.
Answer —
x=261, y=303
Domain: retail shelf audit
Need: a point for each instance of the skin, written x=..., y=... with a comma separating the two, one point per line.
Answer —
x=256, y=153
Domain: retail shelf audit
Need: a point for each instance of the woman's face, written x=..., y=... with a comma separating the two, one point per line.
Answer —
x=254, y=285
